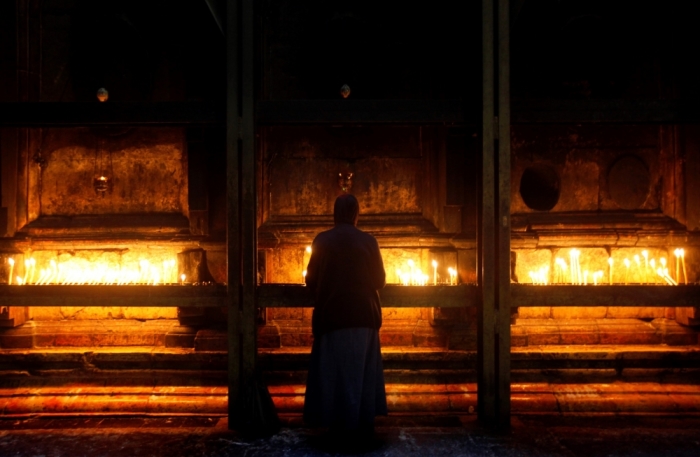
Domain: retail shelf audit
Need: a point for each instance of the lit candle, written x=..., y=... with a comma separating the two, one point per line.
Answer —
x=685, y=273
x=610, y=262
x=627, y=271
x=32, y=262
x=639, y=267
x=662, y=261
x=676, y=252
x=435, y=264
x=585, y=277
x=303, y=277
x=645, y=254
x=652, y=264
x=27, y=267
x=182, y=279
x=572, y=263
x=11, y=261
x=412, y=273
x=305, y=260
x=20, y=282
x=673, y=283
x=660, y=272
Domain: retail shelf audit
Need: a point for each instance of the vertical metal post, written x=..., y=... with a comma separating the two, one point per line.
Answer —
x=247, y=200
x=233, y=207
x=250, y=406
x=241, y=231
x=486, y=376
x=493, y=331
x=503, y=302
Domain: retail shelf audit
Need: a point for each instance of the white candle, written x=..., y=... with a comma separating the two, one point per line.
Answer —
x=639, y=266
x=577, y=258
x=676, y=252
x=27, y=267
x=627, y=271
x=610, y=262
x=645, y=254
x=660, y=272
x=585, y=277
x=685, y=273
x=303, y=277
x=673, y=283
x=11, y=261
x=182, y=279
x=662, y=261
x=652, y=264
x=435, y=264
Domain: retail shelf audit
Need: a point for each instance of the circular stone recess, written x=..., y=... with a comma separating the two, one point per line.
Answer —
x=629, y=182
x=539, y=187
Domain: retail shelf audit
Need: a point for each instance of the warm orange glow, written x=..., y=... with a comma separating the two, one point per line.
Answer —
x=410, y=274
x=79, y=271
x=652, y=271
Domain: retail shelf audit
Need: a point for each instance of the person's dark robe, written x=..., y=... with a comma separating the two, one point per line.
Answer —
x=345, y=386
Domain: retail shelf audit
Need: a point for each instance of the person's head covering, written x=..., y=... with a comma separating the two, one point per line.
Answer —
x=346, y=209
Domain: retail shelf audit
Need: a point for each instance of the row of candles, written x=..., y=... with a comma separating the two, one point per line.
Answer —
x=648, y=272
x=73, y=273
x=411, y=276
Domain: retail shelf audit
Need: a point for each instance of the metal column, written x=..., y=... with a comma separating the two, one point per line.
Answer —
x=250, y=407
x=493, y=337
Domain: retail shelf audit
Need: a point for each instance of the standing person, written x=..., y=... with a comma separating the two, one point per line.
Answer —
x=345, y=385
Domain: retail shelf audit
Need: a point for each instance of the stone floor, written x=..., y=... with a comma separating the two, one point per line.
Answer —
x=415, y=436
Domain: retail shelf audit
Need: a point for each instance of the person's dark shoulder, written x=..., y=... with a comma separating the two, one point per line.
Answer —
x=367, y=238
x=323, y=237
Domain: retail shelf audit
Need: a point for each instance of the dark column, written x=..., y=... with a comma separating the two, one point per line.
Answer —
x=494, y=227
x=250, y=406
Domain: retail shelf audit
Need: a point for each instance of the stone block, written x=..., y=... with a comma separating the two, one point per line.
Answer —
x=540, y=402
x=21, y=337
x=389, y=338
x=284, y=314
x=579, y=312
x=269, y=336
x=211, y=340
x=180, y=337
x=543, y=339
x=299, y=339
x=535, y=312
x=389, y=314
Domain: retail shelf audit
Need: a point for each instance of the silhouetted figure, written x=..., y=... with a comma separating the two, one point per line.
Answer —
x=345, y=386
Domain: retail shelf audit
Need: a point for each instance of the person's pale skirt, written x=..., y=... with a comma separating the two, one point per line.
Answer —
x=345, y=386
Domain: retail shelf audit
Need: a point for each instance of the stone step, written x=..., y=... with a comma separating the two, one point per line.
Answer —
x=187, y=367
x=168, y=333
x=526, y=398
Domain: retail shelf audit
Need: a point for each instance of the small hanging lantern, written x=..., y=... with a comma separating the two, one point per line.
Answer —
x=345, y=91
